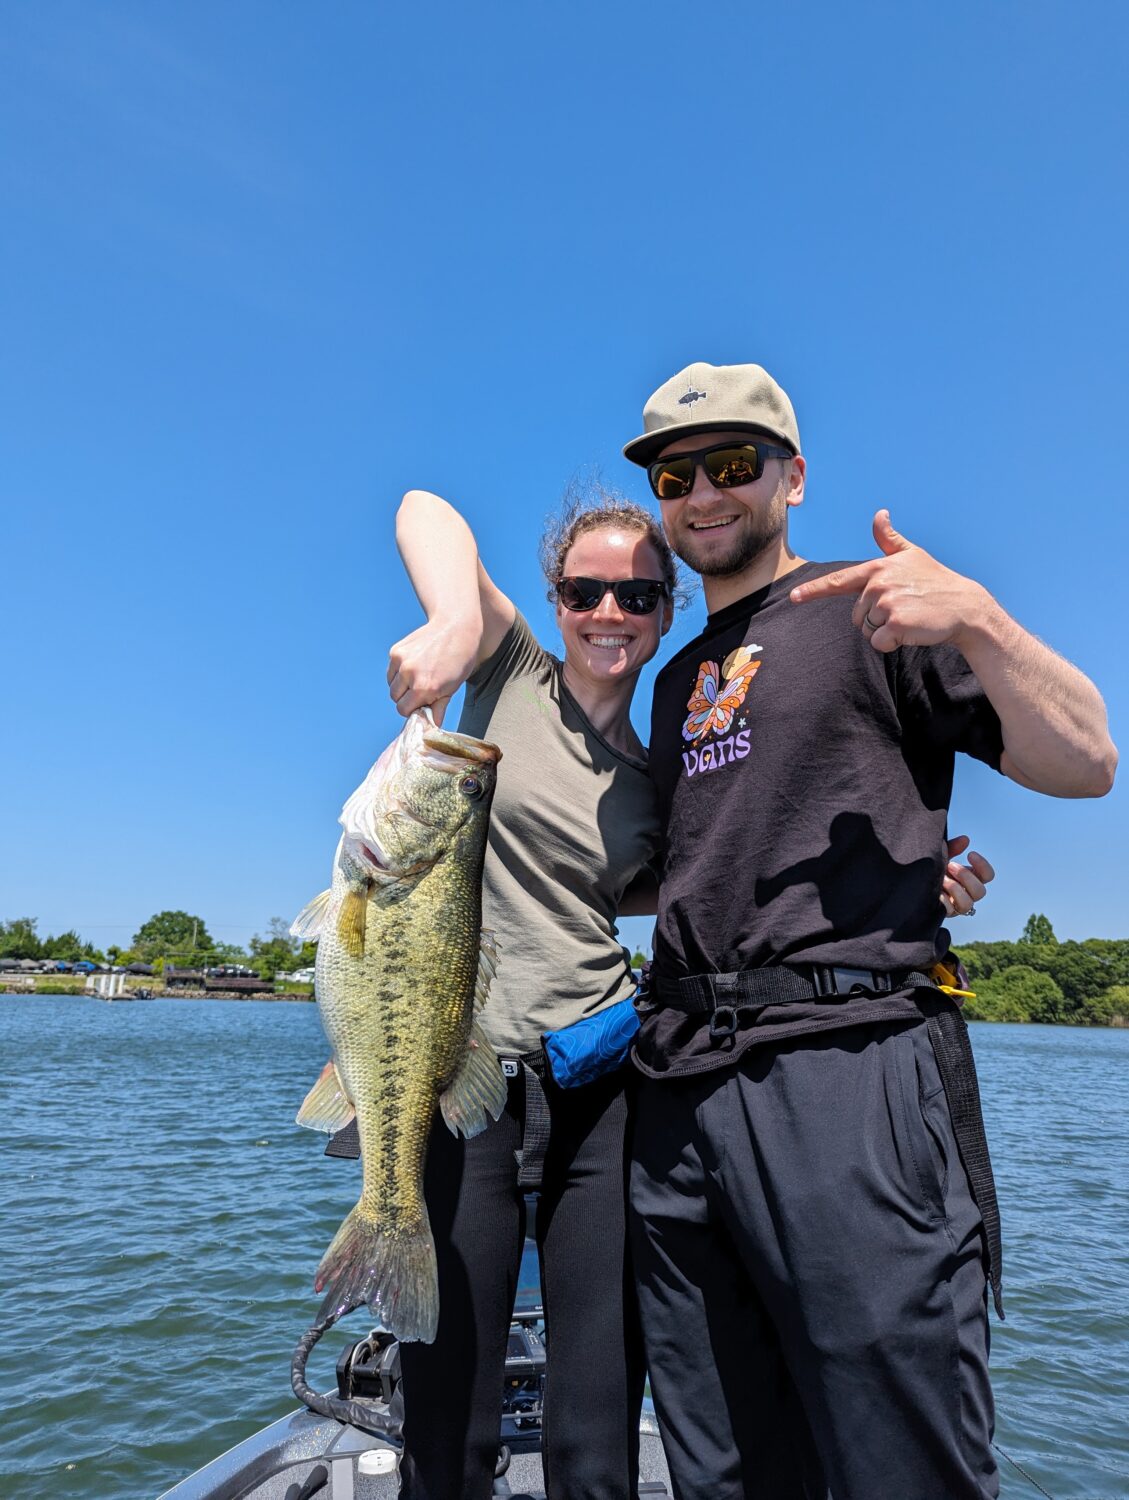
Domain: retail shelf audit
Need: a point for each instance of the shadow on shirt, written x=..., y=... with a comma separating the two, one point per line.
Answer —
x=861, y=887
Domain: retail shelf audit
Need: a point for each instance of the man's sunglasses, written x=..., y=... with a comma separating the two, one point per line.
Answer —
x=635, y=596
x=726, y=465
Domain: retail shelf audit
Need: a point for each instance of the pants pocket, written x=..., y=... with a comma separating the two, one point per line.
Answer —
x=926, y=1111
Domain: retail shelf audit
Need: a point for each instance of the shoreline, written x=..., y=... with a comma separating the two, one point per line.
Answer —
x=7, y=988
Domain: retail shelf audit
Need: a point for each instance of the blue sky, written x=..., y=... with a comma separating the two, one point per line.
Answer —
x=267, y=265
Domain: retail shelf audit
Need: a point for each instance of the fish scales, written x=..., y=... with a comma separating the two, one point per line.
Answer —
x=399, y=974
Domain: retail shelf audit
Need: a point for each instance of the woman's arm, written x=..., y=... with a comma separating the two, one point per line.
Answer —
x=467, y=615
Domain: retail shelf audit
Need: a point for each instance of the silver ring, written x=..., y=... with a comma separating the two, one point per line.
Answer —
x=868, y=621
x=971, y=912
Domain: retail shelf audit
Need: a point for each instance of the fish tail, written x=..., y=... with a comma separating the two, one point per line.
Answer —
x=396, y=1274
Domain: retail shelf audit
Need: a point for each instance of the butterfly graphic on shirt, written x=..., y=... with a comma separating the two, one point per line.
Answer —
x=718, y=696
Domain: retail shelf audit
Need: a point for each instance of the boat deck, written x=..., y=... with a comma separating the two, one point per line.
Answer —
x=307, y=1457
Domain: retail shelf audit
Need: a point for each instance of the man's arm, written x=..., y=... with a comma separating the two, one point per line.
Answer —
x=1055, y=733
x=467, y=615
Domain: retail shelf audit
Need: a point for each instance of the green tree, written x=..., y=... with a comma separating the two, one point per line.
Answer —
x=278, y=952
x=173, y=933
x=989, y=1005
x=228, y=953
x=1108, y=1009
x=1038, y=929
x=1080, y=973
x=68, y=946
x=1017, y=993
x=638, y=959
x=19, y=939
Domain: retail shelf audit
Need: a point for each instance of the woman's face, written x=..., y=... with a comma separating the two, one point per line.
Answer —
x=606, y=644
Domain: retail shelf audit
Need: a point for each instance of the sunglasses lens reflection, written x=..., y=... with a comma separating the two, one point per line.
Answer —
x=729, y=466
x=578, y=593
x=672, y=478
x=639, y=599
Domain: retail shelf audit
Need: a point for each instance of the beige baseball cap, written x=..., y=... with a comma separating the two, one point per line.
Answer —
x=712, y=398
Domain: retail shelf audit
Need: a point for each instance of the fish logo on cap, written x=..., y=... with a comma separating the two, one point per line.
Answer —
x=691, y=396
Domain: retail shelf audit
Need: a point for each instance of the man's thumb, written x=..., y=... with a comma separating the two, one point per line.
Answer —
x=888, y=539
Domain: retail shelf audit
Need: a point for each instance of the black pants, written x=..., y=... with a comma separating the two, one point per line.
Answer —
x=453, y=1388
x=811, y=1276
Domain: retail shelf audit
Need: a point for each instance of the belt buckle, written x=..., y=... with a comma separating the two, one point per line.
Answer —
x=723, y=1022
x=857, y=981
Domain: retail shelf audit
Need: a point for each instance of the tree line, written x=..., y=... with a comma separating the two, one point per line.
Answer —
x=168, y=938
x=1040, y=979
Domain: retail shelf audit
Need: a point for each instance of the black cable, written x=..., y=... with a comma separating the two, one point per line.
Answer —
x=1021, y=1470
x=355, y=1411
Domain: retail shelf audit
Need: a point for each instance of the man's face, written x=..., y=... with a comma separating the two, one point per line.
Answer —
x=721, y=532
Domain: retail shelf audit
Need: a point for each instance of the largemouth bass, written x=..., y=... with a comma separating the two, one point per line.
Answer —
x=402, y=967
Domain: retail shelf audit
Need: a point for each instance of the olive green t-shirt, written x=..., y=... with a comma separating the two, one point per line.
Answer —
x=573, y=821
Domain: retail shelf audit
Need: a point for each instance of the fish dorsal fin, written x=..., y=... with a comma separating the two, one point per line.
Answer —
x=487, y=967
x=327, y=1106
x=477, y=1088
x=351, y=922
x=309, y=922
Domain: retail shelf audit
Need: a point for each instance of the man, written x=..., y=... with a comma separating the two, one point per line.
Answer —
x=814, y=1220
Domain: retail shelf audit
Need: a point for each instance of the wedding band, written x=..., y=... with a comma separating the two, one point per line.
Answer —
x=868, y=621
x=971, y=912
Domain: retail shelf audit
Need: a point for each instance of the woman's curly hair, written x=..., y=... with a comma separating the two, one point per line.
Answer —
x=593, y=507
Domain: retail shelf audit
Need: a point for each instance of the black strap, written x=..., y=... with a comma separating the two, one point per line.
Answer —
x=948, y=1032
x=781, y=984
x=723, y=996
x=535, y=1132
x=346, y=1143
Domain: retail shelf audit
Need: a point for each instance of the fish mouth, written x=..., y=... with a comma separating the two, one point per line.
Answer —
x=369, y=856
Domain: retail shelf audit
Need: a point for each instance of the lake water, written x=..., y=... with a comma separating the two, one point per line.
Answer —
x=161, y=1217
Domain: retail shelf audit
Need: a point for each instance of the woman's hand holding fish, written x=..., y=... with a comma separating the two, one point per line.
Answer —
x=429, y=666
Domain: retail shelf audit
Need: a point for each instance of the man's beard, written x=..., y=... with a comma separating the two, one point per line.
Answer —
x=753, y=539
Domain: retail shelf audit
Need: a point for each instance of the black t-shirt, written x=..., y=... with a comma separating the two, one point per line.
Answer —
x=804, y=782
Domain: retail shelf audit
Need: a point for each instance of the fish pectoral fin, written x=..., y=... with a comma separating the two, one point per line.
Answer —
x=309, y=922
x=477, y=1088
x=327, y=1106
x=351, y=922
x=487, y=968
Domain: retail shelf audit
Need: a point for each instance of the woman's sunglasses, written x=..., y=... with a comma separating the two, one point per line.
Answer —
x=726, y=465
x=635, y=596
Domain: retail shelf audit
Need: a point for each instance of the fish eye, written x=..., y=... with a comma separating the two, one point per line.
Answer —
x=470, y=786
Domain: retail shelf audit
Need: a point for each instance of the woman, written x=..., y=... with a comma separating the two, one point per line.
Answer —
x=572, y=830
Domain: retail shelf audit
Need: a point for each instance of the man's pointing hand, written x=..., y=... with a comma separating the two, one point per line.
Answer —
x=905, y=597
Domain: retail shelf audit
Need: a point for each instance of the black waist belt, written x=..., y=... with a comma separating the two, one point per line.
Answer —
x=724, y=996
